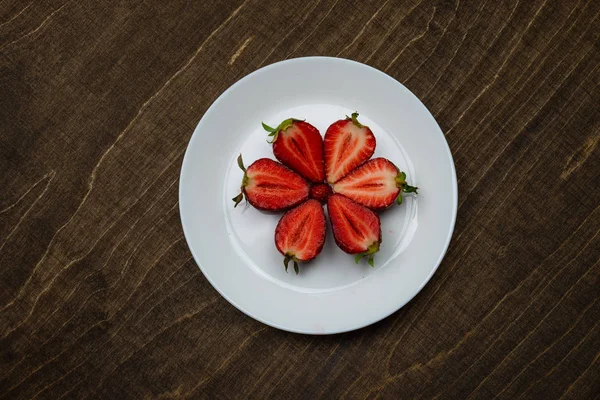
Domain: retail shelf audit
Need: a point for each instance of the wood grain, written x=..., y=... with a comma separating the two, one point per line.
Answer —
x=100, y=296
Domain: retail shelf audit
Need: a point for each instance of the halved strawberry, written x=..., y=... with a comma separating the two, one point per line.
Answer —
x=300, y=234
x=348, y=144
x=375, y=184
x=270, y=186
x=356, y=229
x=321, y=192
x=299, y=145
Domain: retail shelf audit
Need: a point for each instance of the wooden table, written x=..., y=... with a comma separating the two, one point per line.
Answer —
x=100, y=296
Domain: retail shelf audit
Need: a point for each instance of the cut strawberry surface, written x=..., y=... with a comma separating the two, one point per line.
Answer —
x=375, y=184
x=299, y=145
x=271, y=186
x=313, y=171
x=300, y=234
x=348, y=144
x=356, y=229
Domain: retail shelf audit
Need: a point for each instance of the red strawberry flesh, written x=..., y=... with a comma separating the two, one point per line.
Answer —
x=356, y=229
x=375, y=184
x=300, y=234
x=271, y=186
x=348, y=144
x=299, y=146
x=320, y=192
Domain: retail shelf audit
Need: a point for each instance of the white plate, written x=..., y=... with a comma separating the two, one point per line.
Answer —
x=234, y=247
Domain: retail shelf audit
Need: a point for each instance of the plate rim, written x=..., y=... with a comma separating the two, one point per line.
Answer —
x=449, y=235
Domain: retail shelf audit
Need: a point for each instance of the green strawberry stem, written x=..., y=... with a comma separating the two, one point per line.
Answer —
x=237, y=199
x=287, y=259
x=404, y=187
x=274, y=132
x=370, y=253
x=355, y=120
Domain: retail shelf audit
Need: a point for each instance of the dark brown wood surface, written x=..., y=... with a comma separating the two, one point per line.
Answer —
x=100, y=296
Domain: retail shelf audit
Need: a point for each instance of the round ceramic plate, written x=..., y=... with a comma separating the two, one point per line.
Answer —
x=235, y=248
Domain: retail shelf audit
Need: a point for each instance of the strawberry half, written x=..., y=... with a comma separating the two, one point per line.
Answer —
x=300, y=234
x=348, y=144
x=270, y=186
x=321, y=192
x=299, y=145
x=356, y=229
x=375, y=184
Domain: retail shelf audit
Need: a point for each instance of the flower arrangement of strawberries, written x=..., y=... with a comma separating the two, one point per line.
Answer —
x=314, y=171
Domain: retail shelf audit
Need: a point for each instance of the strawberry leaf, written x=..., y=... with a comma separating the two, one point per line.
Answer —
x=404, y=186
x=410, y=189
x=237, y=199
x=269, y=129
x=371, y=250
x=288, y=257
x=240, y=163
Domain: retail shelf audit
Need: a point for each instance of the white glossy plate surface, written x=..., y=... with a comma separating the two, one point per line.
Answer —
x=235, y=247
